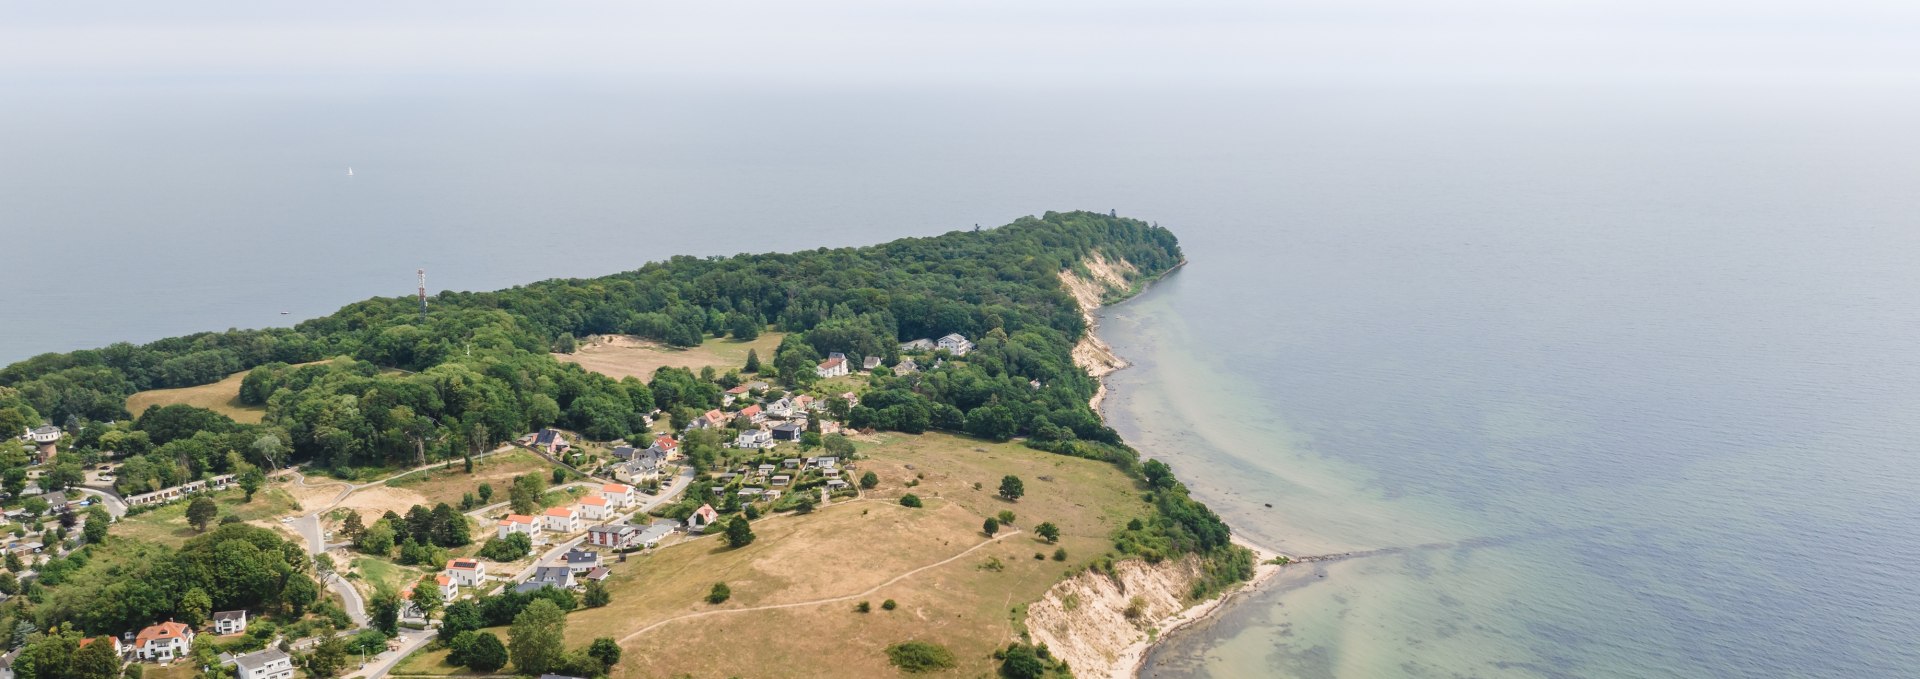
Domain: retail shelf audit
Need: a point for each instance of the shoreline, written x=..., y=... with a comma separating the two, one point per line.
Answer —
x=1100, y=360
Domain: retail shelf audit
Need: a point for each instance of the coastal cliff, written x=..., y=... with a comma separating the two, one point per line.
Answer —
x=1103, y=622
x=1103, y=280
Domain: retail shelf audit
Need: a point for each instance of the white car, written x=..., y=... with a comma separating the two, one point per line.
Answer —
x=288, y=519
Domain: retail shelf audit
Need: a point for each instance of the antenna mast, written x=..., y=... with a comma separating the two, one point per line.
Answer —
x=423, y=293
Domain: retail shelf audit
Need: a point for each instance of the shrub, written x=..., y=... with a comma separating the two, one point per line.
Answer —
x=889, y=605
x=1005, y=516
x=1060, y=554
x=919, y=656
x=720, y=593
x=863, y=607
x=910, y=500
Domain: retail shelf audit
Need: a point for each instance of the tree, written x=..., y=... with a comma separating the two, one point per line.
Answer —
x=596, y=595
x=427, y=597
x=301, y=591
x=991, y=526
x=202, y=511
x=719, y=594
x=537, y=639
x=1020, y=662
x=479, y=651
x=385, y=612
x=512, y=547
x=377, y=539
x=1012, y=488
x=327, y=658
x=605, y=650
x=1159, y=476
x=461, y=616
x=96, y=660
x=352, y=527
x=1047, y=530
x=195, y=606
x=1005, y=516
x=486, y=493
x=869, y=481
x=97, y=522
x=753, y=361
x=889, y=605
x=450, y=528
x=993, y=422
x=739, y=534
x=910, y=500
x=251, y=480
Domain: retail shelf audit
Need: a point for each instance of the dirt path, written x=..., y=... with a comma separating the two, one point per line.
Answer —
x=816, y=602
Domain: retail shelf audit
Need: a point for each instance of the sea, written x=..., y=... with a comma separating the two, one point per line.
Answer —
x=1600, y=380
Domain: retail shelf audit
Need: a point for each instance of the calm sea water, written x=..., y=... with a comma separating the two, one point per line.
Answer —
x=1641, y=357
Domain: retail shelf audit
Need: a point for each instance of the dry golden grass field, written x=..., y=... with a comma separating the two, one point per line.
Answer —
x=620, y=356
x=817, y=568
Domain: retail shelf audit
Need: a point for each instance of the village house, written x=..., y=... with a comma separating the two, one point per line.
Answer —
x=656, y=532
x=581, y=560
x=790, y=431
x=594, y=508
x=781, y=479
x=553, y=440
x=804, y=403
x=702, y=517
x=906, y=366
x=754, y=439
x=729, y=396
x=624, y=453
x=518, y=523
x=229, y=622
x=828, y=427
x=163, y=642
x=712, y=419
x=869, y=363
x=753, y=414
x=616, y=537
x=664, y=446
x=466, y=572
x=448, y=588
x=548, y=576
x=836, y=484
x=271, y=663
x=832, y=367
x=781, y=409
x=955, y=344
x=826, y=462
x=597, y=574
x=618, y=495
x=917, y=345
x=851, y=398
x=561, y=520
x=790, y=463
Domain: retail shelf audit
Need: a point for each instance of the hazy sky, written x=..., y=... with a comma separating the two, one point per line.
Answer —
x=979, y=40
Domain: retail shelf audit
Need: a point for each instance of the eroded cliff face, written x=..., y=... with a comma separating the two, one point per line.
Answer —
x=1102, y=625
x=1109, y=277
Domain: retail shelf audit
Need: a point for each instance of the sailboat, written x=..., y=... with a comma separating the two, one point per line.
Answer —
x=349, y=170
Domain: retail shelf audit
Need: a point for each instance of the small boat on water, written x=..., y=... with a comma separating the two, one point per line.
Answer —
x=349, y=170
x=283, y=313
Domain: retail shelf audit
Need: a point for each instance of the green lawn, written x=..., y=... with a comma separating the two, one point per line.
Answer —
x=381, y=574
x=168, y=525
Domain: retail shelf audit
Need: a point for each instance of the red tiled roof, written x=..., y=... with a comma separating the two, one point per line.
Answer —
x=616, y=488
x=516, y=518
x=594, y=500
x=560, y=511
x=466, y=564
x=162, y=632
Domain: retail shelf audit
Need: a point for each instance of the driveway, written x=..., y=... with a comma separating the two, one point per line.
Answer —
x=410, y=641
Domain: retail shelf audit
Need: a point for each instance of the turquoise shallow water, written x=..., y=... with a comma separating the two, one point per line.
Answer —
x=1642, y=355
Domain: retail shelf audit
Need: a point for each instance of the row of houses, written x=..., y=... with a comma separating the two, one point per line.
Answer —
x=598, y=506
x=636, y=465
x=166, y=495
x=953, y=343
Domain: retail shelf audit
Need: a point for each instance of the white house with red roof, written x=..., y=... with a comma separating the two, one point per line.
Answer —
x=665, y=445
x=702, y=517
x=618, y=495
x=118, y=648
x=712, y=419
x=518, y=523
x=734, y=394
x=449, y=587
x=832, y=367
x=163, y=642
x=594, y=508
x=466, y=572
x=562, y=520
x=753, y=413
